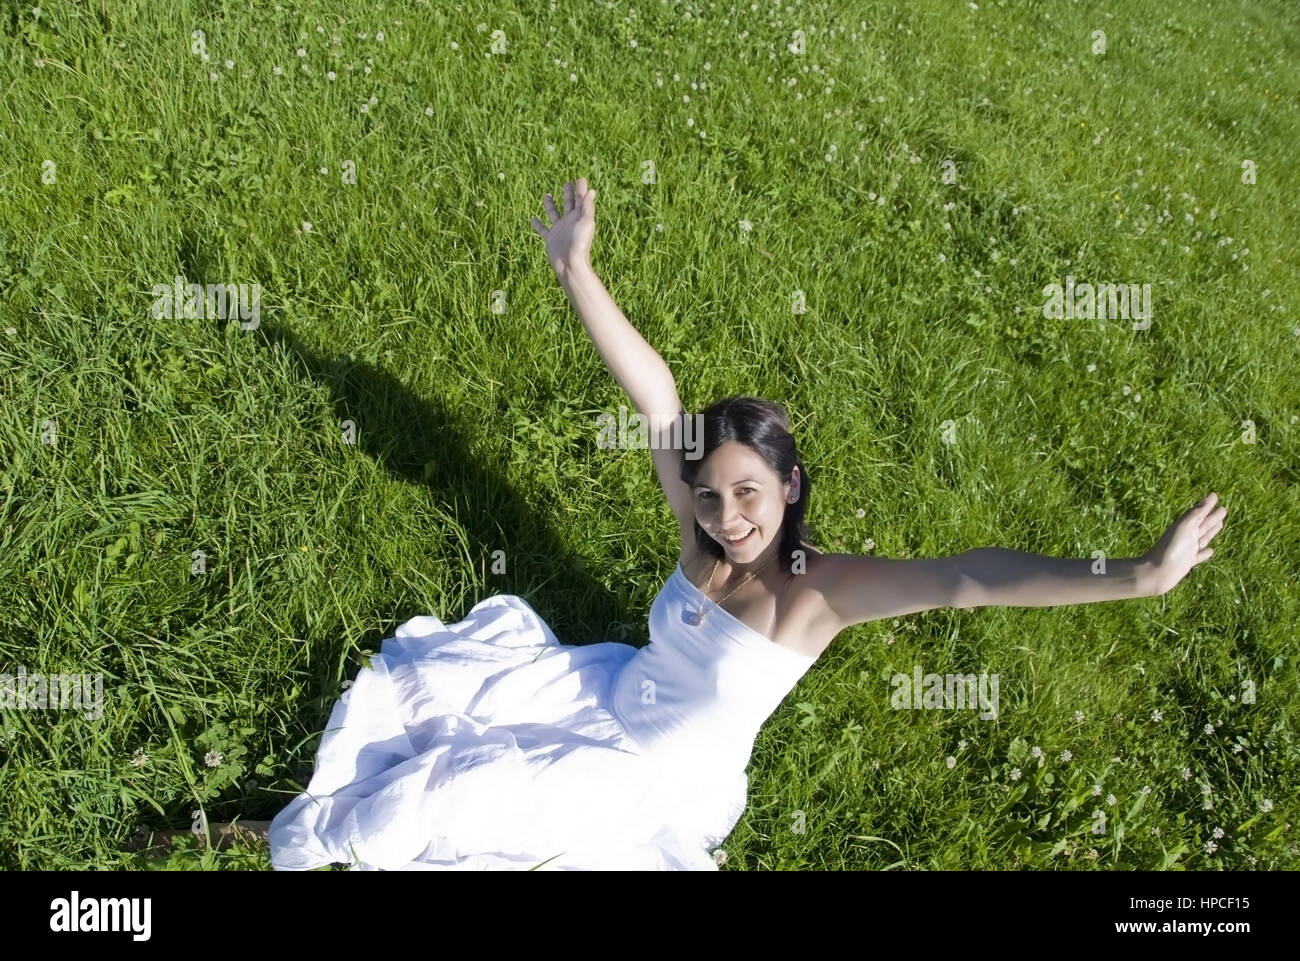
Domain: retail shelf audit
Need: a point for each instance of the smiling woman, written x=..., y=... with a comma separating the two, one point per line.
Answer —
x=489, y=743
x=750, y=481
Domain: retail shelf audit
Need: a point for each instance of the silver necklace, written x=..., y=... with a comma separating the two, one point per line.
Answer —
x=695, y=618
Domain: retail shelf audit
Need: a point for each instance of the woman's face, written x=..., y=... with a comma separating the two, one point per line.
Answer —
x=736, y=492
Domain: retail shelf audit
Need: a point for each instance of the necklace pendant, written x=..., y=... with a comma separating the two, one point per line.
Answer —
x=692, y=618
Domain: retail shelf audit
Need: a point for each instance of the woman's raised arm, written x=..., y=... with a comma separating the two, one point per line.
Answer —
x=634, y=364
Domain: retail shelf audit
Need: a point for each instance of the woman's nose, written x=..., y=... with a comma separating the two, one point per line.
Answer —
x=730, y=515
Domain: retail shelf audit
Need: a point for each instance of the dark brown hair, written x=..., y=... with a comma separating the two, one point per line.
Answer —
x=764, y=427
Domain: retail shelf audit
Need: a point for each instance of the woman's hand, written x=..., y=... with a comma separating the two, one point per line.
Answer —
x=1184, y=544
x=568, y=241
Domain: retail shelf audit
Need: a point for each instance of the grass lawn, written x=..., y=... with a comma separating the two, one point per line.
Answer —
x=852, y=209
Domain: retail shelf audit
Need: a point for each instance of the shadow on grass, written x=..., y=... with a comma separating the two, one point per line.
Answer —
x=423, y=442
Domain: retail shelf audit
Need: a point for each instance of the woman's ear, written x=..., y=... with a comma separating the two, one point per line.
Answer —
x=795, y=485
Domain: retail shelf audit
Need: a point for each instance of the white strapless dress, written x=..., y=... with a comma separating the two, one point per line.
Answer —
x=488, y=744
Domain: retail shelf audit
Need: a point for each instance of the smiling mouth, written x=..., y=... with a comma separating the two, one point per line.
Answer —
x=742, y=540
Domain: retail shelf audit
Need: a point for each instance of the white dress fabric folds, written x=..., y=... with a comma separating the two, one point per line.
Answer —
x=488, y=744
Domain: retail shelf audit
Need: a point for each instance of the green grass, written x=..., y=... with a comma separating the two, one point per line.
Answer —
x=475, y=427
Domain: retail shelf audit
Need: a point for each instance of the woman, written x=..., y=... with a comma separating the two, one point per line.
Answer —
x=489, y=744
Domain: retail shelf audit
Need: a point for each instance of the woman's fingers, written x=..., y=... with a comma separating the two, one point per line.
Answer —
x=576, y=197
x=575, y=193
x=1212, y=522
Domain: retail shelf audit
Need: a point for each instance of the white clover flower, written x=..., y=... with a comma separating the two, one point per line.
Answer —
x=276, y=71
x=1266, y=805
x=1209, y=729
x=139, y=758
x=1015, y=774
x=1187, y=774
x=1218, y=832
x=331, y=76
x=1156, y=715
x=379, y=35
x=1146, y=789
x=212, y=759
x=1096, y=790
x=746, y=226
x=302, y=52
x=230, y=65
x=428, y=112
x=719, y=857
x=1065, y=756
x=1036, y=753
x=306, y=226
x=455, y=45
x=951, y=762
x=1078, y=717
x=1111, y=799
x=1210, y=847
x=324, y=170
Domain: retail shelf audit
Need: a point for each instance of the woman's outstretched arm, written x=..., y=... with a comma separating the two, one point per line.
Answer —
x=634, y=364
x=999, y=577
